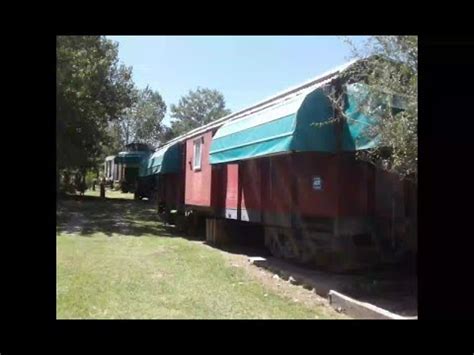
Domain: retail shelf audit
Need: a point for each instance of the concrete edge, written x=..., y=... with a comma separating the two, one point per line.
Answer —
x=364, y=310
x=337, y=300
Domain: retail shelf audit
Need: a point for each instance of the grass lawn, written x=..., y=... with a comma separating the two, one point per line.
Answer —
x=114, y=260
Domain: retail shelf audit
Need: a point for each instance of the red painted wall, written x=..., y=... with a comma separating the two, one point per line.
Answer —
x=198, y=182
x=356, y=183
x=276, y=183
x=266, y=184
x=283, y=184
x=248, y=173
x=231, y=186
x=311, y=202
x=251, y=176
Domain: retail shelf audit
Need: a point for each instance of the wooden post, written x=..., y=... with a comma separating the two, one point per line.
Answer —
x=102, y=188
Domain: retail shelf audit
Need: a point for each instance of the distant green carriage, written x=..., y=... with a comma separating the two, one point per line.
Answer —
x=129, y=163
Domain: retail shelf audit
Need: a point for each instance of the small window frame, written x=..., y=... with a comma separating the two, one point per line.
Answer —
x=197, y=143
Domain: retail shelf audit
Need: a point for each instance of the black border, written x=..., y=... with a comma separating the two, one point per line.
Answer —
x=445, y=232
x=445, y=152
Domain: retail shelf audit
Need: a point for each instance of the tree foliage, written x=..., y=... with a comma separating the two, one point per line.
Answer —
x=92, y=89
x=391, y=73
x=197, y=108
x=142, y=122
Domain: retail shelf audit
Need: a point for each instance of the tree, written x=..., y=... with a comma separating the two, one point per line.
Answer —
x=142, y=121
x=166, y=134
x=114, y=142
x=92, y=89
x=391, y=73
x=196, y=109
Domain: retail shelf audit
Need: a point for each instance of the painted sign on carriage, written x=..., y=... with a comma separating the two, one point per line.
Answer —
x=317, y=183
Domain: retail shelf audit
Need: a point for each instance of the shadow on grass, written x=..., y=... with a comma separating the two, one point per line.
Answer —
x=87, y=215
x=68, y=197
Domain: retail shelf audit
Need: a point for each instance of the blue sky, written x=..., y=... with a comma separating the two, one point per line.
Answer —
x=246, y=69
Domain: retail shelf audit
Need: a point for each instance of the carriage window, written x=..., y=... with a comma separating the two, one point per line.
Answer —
x=197, y=154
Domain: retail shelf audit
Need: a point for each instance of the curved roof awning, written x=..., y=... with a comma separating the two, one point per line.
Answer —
x=131, y=159
x=288, y=126
x=167, y=159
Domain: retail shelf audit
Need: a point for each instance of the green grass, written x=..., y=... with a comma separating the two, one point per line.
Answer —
x=146, y=272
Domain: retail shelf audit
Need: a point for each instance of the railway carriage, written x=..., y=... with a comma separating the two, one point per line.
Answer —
x=127, y=164
x=161, y=178
x=279, y=167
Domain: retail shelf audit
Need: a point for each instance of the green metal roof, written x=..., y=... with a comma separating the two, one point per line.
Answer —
x=166, y=159
x=287, y=125
x=131, y=158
